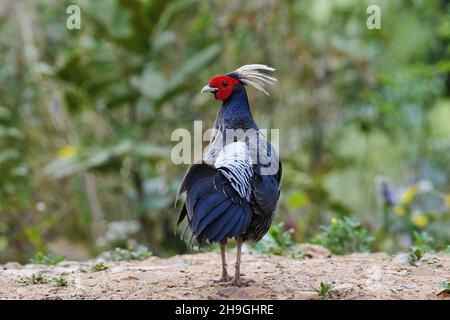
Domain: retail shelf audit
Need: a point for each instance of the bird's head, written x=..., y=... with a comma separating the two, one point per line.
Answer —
x=221, y=86
x=224, y=86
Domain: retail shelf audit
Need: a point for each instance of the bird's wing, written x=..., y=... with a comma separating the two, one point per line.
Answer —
x=266, y=192
x=266, y=183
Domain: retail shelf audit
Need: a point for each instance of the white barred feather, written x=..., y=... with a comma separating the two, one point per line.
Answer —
x=252, y=75
x=234, y=162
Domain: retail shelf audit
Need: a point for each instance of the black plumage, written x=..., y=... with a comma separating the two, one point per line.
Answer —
x=215, y=210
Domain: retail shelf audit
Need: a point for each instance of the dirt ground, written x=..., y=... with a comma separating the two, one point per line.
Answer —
x=191, y=276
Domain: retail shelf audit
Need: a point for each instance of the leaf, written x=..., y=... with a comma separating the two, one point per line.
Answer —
x=11, y=132
x=415, y=255
x=191, y=66
x=155, y=202
x=145, y=15
x=9, y=154
x=121, y=100
x=173, y=12
x=130, y=43
x=446, y=289
x=121, y=254
x=49, y=259
x=5, y=113
x=164, y=39
x=150, y=151
x=33, y=236
x=102, y=158
x=61, y=168
x=194, y=64
x=143, y=18
x=152, y=83
x=297, y=200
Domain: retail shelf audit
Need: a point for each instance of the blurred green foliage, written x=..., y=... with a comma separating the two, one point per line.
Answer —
x=344, y=236
x=277, y=241
x=50, y=259
x=86, y=116
x=120, y=254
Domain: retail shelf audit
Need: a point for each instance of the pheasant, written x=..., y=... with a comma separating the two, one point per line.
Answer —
x=234, y=191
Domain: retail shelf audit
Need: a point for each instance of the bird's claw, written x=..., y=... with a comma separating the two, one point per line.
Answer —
x=239, y=282
x=225, y=278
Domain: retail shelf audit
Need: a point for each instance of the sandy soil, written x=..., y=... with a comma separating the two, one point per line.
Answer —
x=357, y=276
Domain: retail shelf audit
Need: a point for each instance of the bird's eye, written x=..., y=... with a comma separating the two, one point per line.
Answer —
x=225, y=83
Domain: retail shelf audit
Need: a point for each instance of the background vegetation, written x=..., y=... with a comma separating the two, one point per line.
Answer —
x=86, y=117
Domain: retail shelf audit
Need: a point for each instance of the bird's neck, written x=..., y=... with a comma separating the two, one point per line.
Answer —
x=235, y=112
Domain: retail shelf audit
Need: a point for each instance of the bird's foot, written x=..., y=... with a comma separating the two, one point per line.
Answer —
x=239, y=282
x=225, y=278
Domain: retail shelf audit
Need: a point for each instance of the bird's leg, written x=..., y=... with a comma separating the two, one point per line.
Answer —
x=225, y=276
x=237, y=281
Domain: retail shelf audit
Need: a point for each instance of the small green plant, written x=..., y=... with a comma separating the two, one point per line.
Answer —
x=83, y=270
x=49, y=259
x=324, y=289
x=344, y=236
x=415, y=254
x=99, y=267
x=35, y=278
x=61, y=281
x=446, y=287
x=276, y=241
x=445, y=292
x=120, y=254
x=423, y=240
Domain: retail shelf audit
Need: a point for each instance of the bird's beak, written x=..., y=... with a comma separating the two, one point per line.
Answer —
x=208, y=88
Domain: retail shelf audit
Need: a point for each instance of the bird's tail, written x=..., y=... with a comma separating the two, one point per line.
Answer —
x=215, y=211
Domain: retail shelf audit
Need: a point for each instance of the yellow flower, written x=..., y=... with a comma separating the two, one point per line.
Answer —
x=408, y=195
x=66, y=152
x=421, y=220
x=399, y=211
x=333, y=221
x=447, y=200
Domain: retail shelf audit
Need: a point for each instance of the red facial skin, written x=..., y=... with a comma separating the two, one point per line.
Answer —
x=225, y=85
